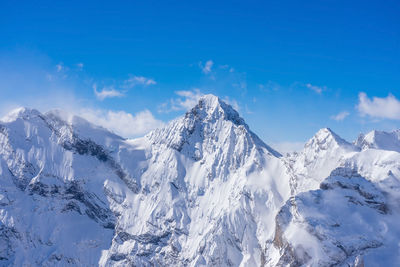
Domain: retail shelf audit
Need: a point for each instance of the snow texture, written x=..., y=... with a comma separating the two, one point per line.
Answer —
x=202, y=191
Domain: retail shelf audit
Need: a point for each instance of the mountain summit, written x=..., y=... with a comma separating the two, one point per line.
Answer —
x=211, y=107
x=211, y=124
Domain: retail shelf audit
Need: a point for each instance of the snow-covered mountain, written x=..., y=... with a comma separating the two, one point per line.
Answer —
x=379, y=140
x=321, y=154
x=202, y=191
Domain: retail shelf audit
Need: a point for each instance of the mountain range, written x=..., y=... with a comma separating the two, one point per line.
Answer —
x=202, y=191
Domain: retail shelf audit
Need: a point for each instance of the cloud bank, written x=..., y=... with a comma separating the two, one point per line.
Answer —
x=382, y=108
x=121, y=122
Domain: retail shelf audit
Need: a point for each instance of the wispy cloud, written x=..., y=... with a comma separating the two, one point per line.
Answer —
x=121, y=122
x=206, y=68
x=382, y=108
x=110, y=91
x=138, y=80
x=315, y=88
x=106, y=93
x=340, y=116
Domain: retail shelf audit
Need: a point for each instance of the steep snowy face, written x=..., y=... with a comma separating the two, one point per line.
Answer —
x=204, y=179
x=379, y=140
x=347, y=221
x=214, y=135
x=324, y=144
x=53, y=209
x=208, y=194
x=208, y=128
x=321, y=154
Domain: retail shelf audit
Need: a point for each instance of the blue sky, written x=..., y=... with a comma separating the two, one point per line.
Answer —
x=290, y=67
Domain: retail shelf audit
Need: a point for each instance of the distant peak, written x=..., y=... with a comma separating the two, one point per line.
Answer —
x=211, y=107
x=325, y=136
x=379, y=140
x=21, y=112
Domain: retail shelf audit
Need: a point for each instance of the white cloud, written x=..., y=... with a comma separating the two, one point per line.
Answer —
x=110, y=91
x=288, y=147
x=317, y=89
x=189, y=99
x=383, y=108
x=340, y=116
x=123, y=123
x=106, y=93
x=135, y=80
x=207, y=67
x=185, y=101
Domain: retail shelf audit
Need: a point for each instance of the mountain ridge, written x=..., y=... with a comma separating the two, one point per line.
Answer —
x=204, y=190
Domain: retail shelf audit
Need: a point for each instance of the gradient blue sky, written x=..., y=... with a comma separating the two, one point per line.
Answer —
x=289, y=67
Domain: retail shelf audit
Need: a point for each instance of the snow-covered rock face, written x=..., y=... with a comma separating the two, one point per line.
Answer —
x=348, y=218
x=52, y=210
x=321, y=154
x=202, y=191
x=209, y=126
x=379, y=140
x=208, y=179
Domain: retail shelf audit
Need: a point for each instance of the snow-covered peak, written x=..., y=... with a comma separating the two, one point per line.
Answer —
x=325, y=139
x=209, y=126
x=80, y=127
x=379, y=140
x=348, y=219
x=64, y=125
x=21, y=112
x=212, y=108
x=321, y=154
x=210, y=100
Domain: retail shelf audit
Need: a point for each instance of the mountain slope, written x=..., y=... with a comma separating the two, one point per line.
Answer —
x=202, y=191
x=204, y=179
x=379, y=140
x=209, y=179
x=52, y=209
x=324, y=152
x=347, y=220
